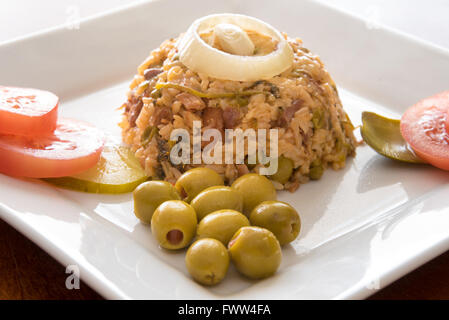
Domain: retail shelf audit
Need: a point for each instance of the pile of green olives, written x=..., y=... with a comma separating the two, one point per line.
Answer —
x=243, y=224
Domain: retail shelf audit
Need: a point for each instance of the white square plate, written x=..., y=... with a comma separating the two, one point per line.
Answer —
x=363, y=227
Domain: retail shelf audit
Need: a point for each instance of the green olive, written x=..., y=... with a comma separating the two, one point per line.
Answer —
x=174, y=224
x=149, y=195
x=285, y=170
x=255, y=189
x=196, y=180
x=256, y=252
x=316, y=172
x=216, y=198
x=221, y=225
x=207, y=261
x=278, y=217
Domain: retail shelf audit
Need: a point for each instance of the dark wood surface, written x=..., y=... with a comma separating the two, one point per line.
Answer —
x=27, y=272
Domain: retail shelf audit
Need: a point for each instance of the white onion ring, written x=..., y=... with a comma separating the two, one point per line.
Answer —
x=200, y=57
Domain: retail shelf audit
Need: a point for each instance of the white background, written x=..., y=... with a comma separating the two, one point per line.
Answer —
x=428, y=20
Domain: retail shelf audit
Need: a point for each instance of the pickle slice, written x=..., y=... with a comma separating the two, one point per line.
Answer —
x=117, y=171
x=384, y=136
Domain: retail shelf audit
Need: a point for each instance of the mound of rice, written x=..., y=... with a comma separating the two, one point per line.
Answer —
x=302, y=103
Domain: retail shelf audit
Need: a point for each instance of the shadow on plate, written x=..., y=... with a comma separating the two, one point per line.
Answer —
x=381, y=172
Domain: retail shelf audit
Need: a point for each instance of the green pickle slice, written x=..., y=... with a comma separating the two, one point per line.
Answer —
x=384, y=136
x=117, y=171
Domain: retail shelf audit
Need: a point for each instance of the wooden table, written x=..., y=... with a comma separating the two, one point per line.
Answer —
x=27, y=272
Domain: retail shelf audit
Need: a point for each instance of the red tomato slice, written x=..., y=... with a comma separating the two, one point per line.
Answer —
x=27, y=111
x=425, y=126
x=447, y=121
x=74, y=147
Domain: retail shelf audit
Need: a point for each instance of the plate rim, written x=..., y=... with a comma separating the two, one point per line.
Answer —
x=109, y=290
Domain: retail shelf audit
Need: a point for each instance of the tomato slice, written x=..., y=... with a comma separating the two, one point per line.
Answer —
x=74, y=147
x=28, y=112
x=425, y=126
x=447, y=121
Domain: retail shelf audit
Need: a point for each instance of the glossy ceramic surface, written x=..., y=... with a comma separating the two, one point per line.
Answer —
x=363, y=226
